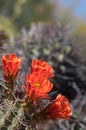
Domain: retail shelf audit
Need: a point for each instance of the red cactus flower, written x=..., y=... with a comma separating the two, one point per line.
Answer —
x=60, y=108
x=10, y=66
x=37, y=86
x=42, y=67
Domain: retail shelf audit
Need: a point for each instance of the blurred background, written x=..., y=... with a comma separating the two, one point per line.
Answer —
x=18, y=14
x=53, y=30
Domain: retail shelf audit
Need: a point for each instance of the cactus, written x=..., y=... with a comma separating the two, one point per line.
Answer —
x=48, y=42
x=25, y=112
x=10, y=116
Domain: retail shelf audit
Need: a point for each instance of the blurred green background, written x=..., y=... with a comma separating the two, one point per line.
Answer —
x=15, y=14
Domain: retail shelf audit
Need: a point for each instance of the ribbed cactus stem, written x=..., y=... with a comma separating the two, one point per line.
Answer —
x=16, y=119
x=9, y=89
x=5, y=112
x=4, y=117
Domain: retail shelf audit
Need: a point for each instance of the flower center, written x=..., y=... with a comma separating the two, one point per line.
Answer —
x=40, y=66
x=36, y=84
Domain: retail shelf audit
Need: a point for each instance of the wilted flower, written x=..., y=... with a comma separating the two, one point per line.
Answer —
x=37, y=86
x=10, y=66
x=42, y=67
x=59, y=108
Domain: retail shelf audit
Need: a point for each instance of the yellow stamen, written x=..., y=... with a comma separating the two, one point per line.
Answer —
x=36, y=84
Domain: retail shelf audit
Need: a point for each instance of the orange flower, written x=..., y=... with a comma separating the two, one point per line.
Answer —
x=42, y=67
x=11, y=65
x=37, y=86
x=59, y=108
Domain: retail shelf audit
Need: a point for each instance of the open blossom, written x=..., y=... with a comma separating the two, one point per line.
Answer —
x=10, y=64
x=37, y=86
x=59, y=108
x=43, y=67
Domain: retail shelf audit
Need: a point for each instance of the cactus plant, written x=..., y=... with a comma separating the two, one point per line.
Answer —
x=54, y=44
x=25, y=113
